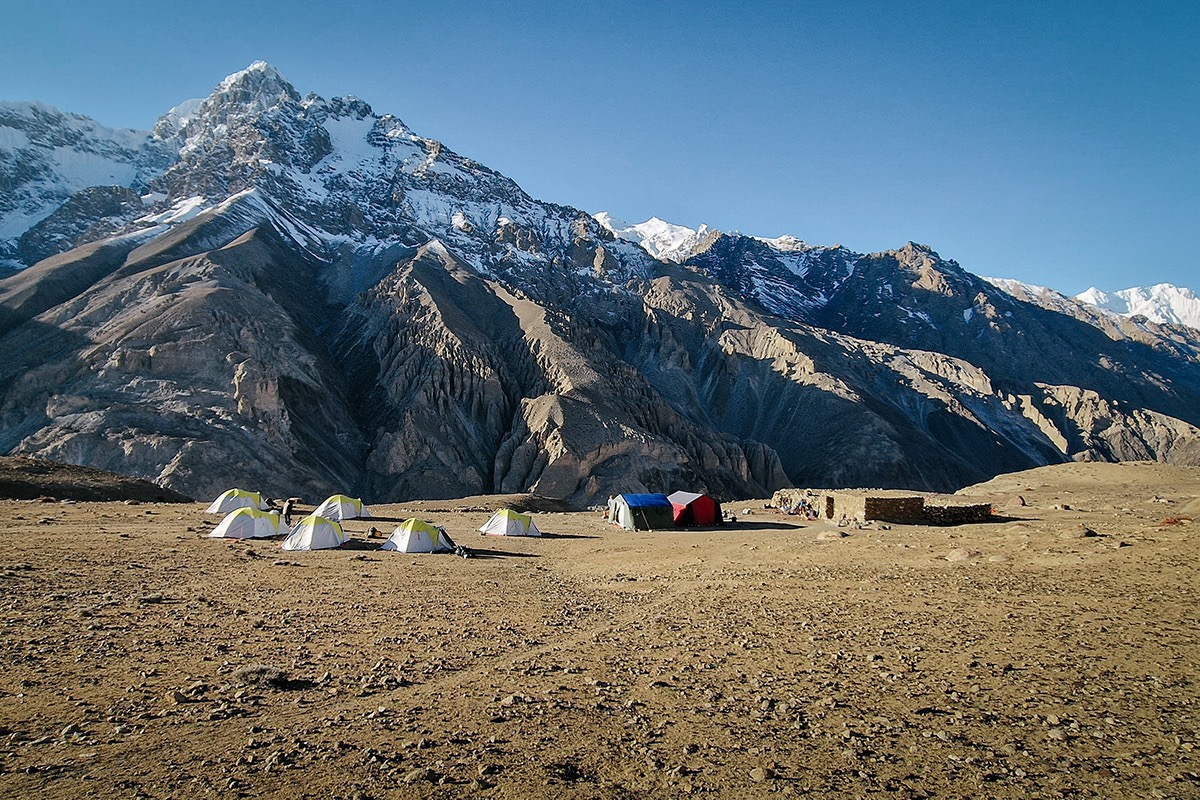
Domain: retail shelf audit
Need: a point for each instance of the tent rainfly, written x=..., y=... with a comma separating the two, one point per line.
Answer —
x=340, y=507
x=695, y=509
x=418, y=536
x=234, y=499
x=314, y=533
x=507, y=522
x=639, y=512
x=247, y=523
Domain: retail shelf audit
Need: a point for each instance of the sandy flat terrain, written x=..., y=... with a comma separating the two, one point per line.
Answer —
x=1022, y=658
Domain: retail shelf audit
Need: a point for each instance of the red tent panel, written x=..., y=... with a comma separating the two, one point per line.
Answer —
x=701, y=511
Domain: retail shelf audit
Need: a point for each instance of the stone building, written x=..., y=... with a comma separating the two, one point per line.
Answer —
x=883, y=505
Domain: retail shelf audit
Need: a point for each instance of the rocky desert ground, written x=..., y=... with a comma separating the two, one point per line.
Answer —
x=1051, y=653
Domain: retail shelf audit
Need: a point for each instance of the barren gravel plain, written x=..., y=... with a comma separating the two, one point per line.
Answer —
x=1051, y=653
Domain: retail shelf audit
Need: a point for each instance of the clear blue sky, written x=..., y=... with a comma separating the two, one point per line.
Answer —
x=1054, y=142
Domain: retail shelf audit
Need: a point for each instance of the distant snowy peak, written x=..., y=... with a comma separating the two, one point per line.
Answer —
x=669, y=242
x=786, y=244
x=663, y=240
x=34, y=122
x=47, y=155
x=1162, y=303
x=172, y=122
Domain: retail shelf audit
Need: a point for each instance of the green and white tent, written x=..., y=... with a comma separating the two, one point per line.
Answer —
x=507, y=522
x=247, y=523
x=340, y=507
x=233, y=499
x=418, y=536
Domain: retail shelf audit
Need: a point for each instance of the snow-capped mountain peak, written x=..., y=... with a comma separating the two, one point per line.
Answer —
x=661, y=239
x=259, y=82
x=246, y=95
x=785, y=243
x=258, y=70
x=1163, y=303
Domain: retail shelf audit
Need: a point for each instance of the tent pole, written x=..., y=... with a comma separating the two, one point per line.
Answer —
x=645, y=521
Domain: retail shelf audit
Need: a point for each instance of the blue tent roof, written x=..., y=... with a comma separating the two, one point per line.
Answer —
x=646, y=500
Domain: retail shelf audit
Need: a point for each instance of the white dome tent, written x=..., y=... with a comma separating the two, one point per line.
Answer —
x=247, y=523
x=417, y=536
x=507, y=522
x=314, y=533
x=233, y=499
x=340, y=507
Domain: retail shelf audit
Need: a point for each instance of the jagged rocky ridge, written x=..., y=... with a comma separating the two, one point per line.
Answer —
x=306, y=296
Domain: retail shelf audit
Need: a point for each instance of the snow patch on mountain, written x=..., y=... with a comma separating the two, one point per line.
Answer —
x=1032, y=293
x=181, y=211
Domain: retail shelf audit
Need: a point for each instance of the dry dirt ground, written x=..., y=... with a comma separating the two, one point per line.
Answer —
x=1015, y=659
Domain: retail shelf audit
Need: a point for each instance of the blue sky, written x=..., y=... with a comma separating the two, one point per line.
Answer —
x=1052, y=142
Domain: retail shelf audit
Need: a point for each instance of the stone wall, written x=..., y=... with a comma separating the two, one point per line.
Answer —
x=958, y=515
x=792, y=496
x=894, y=509
x=883, y=507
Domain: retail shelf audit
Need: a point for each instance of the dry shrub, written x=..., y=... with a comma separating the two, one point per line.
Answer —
x=1168, y=521
x=262, y=676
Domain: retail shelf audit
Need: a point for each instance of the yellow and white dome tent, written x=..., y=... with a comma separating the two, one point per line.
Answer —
x=314, y=533
x=339, y=507
x=247, y=523
x=233, y=499
x=507, y=522
x=418, y=536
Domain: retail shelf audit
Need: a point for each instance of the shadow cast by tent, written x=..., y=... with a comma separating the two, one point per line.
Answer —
x=564, y=536
x=740, y=525
x=479, y=552
x=362, y=544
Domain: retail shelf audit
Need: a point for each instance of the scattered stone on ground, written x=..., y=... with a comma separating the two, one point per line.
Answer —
x=731, y=662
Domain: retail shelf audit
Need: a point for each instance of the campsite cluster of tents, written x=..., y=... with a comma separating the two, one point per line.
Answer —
x=635, y=512
x=249, y=516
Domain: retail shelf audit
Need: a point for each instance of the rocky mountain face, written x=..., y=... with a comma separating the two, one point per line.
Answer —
x=300, y=295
